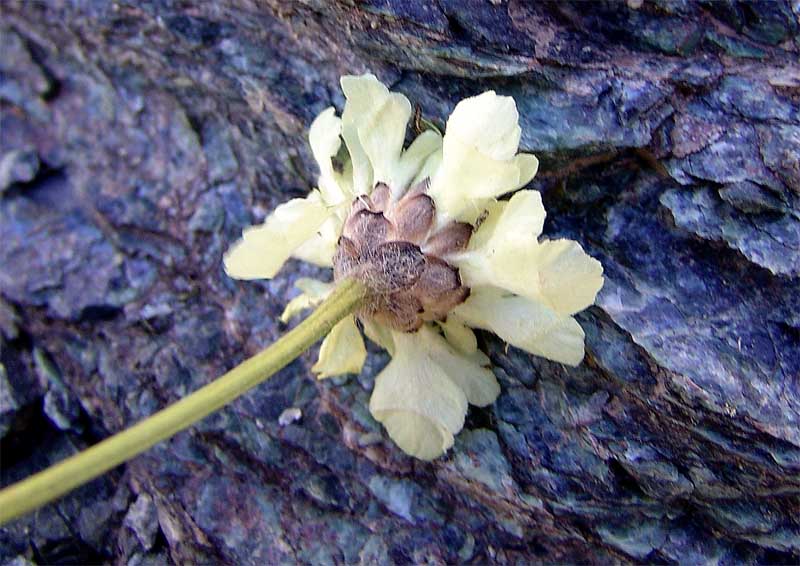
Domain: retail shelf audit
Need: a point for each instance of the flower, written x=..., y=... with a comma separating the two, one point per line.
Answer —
x=422, y=228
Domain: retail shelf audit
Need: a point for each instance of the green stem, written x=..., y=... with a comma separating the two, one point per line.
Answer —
x=59, y=479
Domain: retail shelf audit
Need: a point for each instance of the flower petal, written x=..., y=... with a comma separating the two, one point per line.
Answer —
x=522, y=217
x=569, y=279
x=429, y=167
x=478, y=156
x=374, y=128
x=382, y=135
x=362, y=92
x=468, y=371
x=467, y=179
x=525, y=323
x=459, y=335
x=321, y=246
x=502, y=252
x=488, y=122
x=415, y=157
x=324, y=136
x=379, y=334
x=313, y=293
x=486, y=230
x=528, y=167
x=429, y=402
x=375, y=122
x=342, y=350
x=264, y=249
x=416, y=435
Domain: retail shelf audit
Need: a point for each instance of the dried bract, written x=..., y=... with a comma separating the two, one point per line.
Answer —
x=387, y=246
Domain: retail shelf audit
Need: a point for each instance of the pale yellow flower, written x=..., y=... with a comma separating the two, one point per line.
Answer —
x=422, y=228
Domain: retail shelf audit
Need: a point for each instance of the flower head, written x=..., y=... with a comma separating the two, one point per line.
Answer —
x=422, y=229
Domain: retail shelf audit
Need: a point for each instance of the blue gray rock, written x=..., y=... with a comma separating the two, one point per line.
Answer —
x=139, y=138
x=18, y=166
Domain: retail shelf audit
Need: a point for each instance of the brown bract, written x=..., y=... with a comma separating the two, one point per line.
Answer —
x=393, y=247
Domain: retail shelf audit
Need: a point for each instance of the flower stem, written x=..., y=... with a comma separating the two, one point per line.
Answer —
x=59, y=479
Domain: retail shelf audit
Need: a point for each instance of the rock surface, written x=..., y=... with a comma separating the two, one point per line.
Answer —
x=139, y=138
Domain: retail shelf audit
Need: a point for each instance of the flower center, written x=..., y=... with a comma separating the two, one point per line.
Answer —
x=392, y=246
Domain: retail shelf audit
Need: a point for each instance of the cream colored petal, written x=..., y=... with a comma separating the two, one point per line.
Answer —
x=521, y=220
x=421, y=396
x=469, y=371
x=478, y=156
x=334, y=188
x=510, y=249
x=379, y=334
x=467, y=179
x=264, y=249
x=295, y=307
x=342, y=350
x=488, y=122
x=493, y=211
x=569, y=279
x=314, y=288
x=345, y=181
x=459, y=335
x=529, y=325
x=514, y=270
x=313, y=293
x=502, y=252
x=321, y=246
x=412, y=386
x=324, y=136
x=429, y=168
x=528, y=167
x=413, y=160
x=416, y=435
x=337, y=188
x=365, y=96
x=382, y=134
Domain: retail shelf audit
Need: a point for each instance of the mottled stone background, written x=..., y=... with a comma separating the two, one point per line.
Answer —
x=138, y=138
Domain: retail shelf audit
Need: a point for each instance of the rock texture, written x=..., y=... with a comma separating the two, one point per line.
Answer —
x=138, y=138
